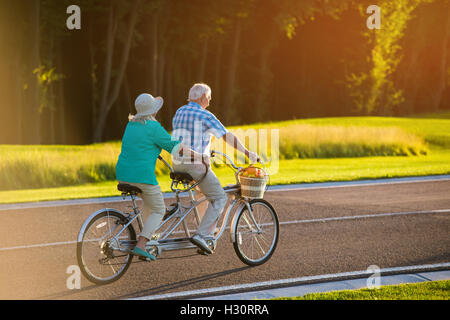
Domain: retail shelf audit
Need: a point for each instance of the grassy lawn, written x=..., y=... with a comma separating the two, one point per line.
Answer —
x=290, y=171
x=432, y=290
x=38, y=173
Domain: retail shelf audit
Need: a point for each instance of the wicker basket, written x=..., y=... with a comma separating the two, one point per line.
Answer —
x=253, y=188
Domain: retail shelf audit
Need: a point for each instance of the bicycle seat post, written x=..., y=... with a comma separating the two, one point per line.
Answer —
x=133, y=200
x=197, y=217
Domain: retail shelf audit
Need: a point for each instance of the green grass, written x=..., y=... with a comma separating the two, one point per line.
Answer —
x=434, y=130
x=290, y=171
x=32, y=167
x=306, y=140
x=312, y=150
x=432, y=290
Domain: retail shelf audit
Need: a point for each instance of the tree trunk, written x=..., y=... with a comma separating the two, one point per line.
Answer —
x=204, y=55
x=93, y=75
x=128, y=98
x=107, y=103
x=61, y=102
x=154, y=71
x=51, y=93
x=161, y=71
x=217, y=83
x=442, y=72
x=410, y=80
x=411, y=77
x=19, y=99
x=163, y=41
x=265, y=77
x=111, y=33
x=169, y=99
x=231, y=75
x=33, y=94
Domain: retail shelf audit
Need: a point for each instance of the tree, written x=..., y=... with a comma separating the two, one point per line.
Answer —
x=443, y=61
x=33, y=100
x=239, y=15
x=111, y=87
x=375, y=90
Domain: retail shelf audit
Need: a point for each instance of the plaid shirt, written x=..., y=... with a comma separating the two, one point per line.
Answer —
x=195, y=126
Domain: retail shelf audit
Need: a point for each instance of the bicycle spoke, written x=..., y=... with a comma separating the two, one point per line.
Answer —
x=257, y=233
x=99, y=246
x=259, y=245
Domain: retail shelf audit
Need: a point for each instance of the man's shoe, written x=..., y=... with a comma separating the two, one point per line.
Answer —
x=201, y=243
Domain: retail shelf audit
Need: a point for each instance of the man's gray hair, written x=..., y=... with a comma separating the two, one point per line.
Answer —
x=198, y=90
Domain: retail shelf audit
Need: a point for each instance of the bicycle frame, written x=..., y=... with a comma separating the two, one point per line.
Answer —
x=112, y=236
x=172, y=222
x=165, y=243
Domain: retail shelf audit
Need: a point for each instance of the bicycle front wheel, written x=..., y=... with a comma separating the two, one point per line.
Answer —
x=103, y=254
x=256, y=233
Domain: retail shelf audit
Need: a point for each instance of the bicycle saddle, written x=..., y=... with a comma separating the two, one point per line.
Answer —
x=181, y=177
x=125, y=187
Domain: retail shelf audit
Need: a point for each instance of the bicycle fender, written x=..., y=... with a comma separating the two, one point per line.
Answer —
x=89, y=219
x=234, y=221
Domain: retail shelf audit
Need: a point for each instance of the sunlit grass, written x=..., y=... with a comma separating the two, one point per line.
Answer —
x=349, y=148
x=310, y=141
x=432, y=290
x=289, y=171
x=433, y=130
x=27, y=167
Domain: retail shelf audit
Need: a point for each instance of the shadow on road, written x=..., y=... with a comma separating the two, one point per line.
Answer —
x=66, y=293
x=180, y=284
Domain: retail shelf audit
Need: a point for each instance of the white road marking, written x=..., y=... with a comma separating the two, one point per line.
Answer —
x=38, y=245
x=357, y=183
x=291, y=281
x=379, y=215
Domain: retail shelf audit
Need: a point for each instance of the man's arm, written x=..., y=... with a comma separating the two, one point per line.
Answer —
x=232, y=140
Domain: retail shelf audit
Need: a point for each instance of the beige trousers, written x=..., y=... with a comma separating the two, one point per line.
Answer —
x=212, y=189
x=154, y=207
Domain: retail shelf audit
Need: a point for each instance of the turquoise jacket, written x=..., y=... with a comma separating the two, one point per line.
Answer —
x=141, y=146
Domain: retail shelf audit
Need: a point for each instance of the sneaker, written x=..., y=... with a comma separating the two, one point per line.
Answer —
x=202, y=252
x=142, y=254
x=201, y=243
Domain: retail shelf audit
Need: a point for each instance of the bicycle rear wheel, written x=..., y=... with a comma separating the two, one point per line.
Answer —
x=253, y=243
x=101, y=258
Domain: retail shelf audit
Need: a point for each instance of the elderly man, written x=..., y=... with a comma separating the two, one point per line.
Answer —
x=194, y=125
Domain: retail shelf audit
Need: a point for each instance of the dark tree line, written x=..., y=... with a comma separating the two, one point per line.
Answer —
x=265, y=60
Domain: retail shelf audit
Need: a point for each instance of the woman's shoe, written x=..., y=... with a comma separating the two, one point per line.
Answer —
x=142, y=253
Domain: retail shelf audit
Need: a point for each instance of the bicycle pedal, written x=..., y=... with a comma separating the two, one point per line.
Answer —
x=145, y=259
x=155, y=237
x=203, y=252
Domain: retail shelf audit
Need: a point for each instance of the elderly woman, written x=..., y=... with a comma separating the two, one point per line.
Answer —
x=142, y=142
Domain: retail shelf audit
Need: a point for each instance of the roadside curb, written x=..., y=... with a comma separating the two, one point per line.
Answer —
x=351, y=284
x=303, y=285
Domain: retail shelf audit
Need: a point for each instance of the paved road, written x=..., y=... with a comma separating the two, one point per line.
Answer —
x=38, y=245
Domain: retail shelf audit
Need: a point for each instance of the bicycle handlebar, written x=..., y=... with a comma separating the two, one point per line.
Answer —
x=212, y=154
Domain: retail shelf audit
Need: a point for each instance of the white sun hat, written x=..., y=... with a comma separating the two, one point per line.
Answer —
x=147, y=105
